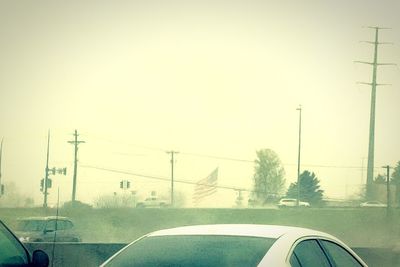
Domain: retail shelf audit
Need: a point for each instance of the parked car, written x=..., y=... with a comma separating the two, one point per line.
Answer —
x=373, y=204
x=46, y=229
x=14, y=253
x=292, y=202
x=152, y=202
x=236, y=245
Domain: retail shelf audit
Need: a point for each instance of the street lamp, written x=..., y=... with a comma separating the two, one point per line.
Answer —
x=298, y=159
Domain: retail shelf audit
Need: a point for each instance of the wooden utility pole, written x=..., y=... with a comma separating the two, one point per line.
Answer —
x=75, y=142
x=172, y=174
x=1, y=153
x=387, y=190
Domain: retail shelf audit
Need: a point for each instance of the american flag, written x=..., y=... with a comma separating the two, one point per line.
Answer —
x=205, y=187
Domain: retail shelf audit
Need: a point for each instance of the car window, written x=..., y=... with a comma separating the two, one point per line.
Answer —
x=310, y=254
x=194, y=251
x=30, y=225
x=61, y=225
x=51, y=225
x=294, y=261
x=339, y=255
x=11, y=251
x=68, y=225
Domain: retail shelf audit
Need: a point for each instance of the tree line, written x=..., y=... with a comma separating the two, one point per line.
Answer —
x=269, y=181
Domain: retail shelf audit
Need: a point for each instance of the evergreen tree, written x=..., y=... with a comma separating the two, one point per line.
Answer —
x=309, y=189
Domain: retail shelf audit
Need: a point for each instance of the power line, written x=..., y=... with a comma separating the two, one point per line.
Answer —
x=225, y=157
x=166, y=179
x=217, y=157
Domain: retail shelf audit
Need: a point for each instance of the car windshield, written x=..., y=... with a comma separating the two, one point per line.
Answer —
x=192, y=251
x=31, y=225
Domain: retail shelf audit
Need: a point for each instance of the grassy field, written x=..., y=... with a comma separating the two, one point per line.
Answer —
x=357, y=227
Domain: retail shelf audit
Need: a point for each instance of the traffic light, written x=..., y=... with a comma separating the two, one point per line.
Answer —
x=62, y=171
x=49, y=184
x=121, y=184
x=128, y=184
x=51, y=171
x=1, y=189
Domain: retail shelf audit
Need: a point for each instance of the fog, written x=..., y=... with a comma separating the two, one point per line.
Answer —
x=214, y=81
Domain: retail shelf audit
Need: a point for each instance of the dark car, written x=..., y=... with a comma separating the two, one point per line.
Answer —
x=46, y=229
x=13, y=252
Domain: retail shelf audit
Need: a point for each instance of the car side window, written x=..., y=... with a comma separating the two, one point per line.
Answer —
x=339, y=255
x=61, y=225
x=51, y=225
x=294, y=262
x=68, y=225
x=11, y=251
x=310, y=254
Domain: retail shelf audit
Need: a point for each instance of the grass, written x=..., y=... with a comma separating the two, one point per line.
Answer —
x=357, y=227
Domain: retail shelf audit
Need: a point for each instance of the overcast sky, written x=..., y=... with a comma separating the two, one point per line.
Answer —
x=217, y=78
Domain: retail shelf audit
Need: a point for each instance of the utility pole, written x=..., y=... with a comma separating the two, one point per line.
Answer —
x=46, y=175
x=374, y=84
x=75, y=142
x=387, y=190
x=172, y=174
x=1, y=185
x=298, y=159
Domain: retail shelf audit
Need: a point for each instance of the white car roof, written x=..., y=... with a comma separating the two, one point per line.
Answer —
x=277, y=255
x=267, y=231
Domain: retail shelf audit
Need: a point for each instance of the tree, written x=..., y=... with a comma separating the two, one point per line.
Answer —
x=268, y=176
x=380, y=179
x=309, y=189
x=396, y=174
x=115, y=200
x=395, y=179
x=13, y=197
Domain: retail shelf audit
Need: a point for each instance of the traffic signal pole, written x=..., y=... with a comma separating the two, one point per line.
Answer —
x=46, y=177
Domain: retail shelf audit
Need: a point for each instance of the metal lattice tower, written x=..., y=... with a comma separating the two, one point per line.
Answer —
x=374, y=84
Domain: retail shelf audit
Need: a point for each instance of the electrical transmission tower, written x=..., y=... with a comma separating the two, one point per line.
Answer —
x=75, y=142
x=374, y=84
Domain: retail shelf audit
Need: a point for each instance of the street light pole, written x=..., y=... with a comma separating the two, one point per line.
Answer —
x=298, y=159
x=46, y=176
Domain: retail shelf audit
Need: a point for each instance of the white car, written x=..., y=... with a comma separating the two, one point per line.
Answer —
x=152, y=202
x=292, y=202
x=373, y=204
x=236, y=245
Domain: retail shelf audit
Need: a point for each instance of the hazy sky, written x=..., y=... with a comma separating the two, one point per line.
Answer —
x=218, y=78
